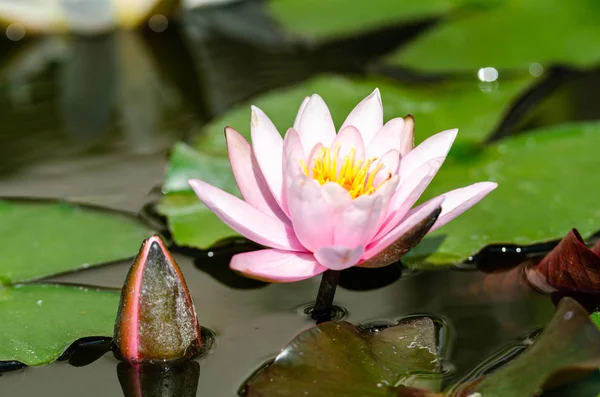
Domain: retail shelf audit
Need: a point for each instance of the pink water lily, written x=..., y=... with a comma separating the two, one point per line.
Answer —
x=322, y=200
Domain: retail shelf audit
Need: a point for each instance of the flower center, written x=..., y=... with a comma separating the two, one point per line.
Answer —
x=353, y=175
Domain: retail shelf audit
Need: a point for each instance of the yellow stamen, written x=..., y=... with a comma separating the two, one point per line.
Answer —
x=353, y=175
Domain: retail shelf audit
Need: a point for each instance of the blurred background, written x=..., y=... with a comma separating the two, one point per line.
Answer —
x=94, y=93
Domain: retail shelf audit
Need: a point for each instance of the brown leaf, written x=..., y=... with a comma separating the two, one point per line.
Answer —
x=571, y=265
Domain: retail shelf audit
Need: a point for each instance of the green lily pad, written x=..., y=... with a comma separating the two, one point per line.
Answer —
x=545, y=188
x=569, y=345
x=515, y=34
x=38, y=322
x=596, y=318
x=319, y=19
x=43, y=238
x=339, y=359
x=436, y=107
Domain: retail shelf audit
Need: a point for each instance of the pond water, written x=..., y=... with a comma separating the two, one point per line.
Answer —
x=92, y=120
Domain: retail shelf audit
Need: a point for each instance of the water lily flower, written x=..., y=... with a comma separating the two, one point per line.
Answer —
x=322, y=200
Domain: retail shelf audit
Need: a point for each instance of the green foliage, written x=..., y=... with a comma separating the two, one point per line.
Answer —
x=43, y=238
x=39, y=321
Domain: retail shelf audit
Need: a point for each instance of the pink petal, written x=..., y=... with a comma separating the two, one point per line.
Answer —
x=268, y=150
x=389, y=137
x=413, y=218
x=314, y=210
x=248, y=176
x=408, y=192
x=458, y=201
x=359, y=222
x=277, y=266
x=433, y=148
x=348, y=138
x=390, y=161
x=245, y=219
x=367, y=116
x=408, y=136
x=316, y=125
x=292, y=157
x=300, y=111
x=339, y=257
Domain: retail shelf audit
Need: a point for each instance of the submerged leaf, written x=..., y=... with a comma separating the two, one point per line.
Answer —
x=43, y=238
x=339, y=359
x=38, y=322
x=571, y=265
x=569, y=347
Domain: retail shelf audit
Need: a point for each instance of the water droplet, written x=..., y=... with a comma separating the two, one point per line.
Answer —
x=15, y=31
x=487, y=75
x=158, y=23
x=536, y=69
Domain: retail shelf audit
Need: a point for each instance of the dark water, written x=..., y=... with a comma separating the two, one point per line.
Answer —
x=92, y=119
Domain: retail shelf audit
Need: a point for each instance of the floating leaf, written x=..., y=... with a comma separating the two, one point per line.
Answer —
x=538, y=197
x=318, y=18
x=435, y=108
x=571, y=265
x=515, y=34
x=38, y=322
x=596, y=318
x=338, y=359
x=568, y=346
x=43, y=238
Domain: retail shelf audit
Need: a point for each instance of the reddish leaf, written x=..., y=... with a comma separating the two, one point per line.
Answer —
x=571, y=265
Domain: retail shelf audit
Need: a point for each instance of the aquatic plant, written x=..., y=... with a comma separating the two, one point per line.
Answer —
x=325, y=201
x=156, y=320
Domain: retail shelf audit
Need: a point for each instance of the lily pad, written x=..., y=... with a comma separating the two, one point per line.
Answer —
x=437, y=107
x=568, y=346
x=43, y=238
x=596, y=318
x=339, y=359
x=38, y=322
x=545, y=187
x=470, y=41
x=322, y=19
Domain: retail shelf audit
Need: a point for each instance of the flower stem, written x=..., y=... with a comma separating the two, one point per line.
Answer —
x=322, y=309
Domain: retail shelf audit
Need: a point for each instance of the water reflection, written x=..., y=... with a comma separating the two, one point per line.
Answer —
x=153, y=380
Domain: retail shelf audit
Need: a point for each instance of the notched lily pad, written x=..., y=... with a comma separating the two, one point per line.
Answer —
x=38, y=322
x=43, y=238
x=538, y=199
x=567, y=349
x=338, y=359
